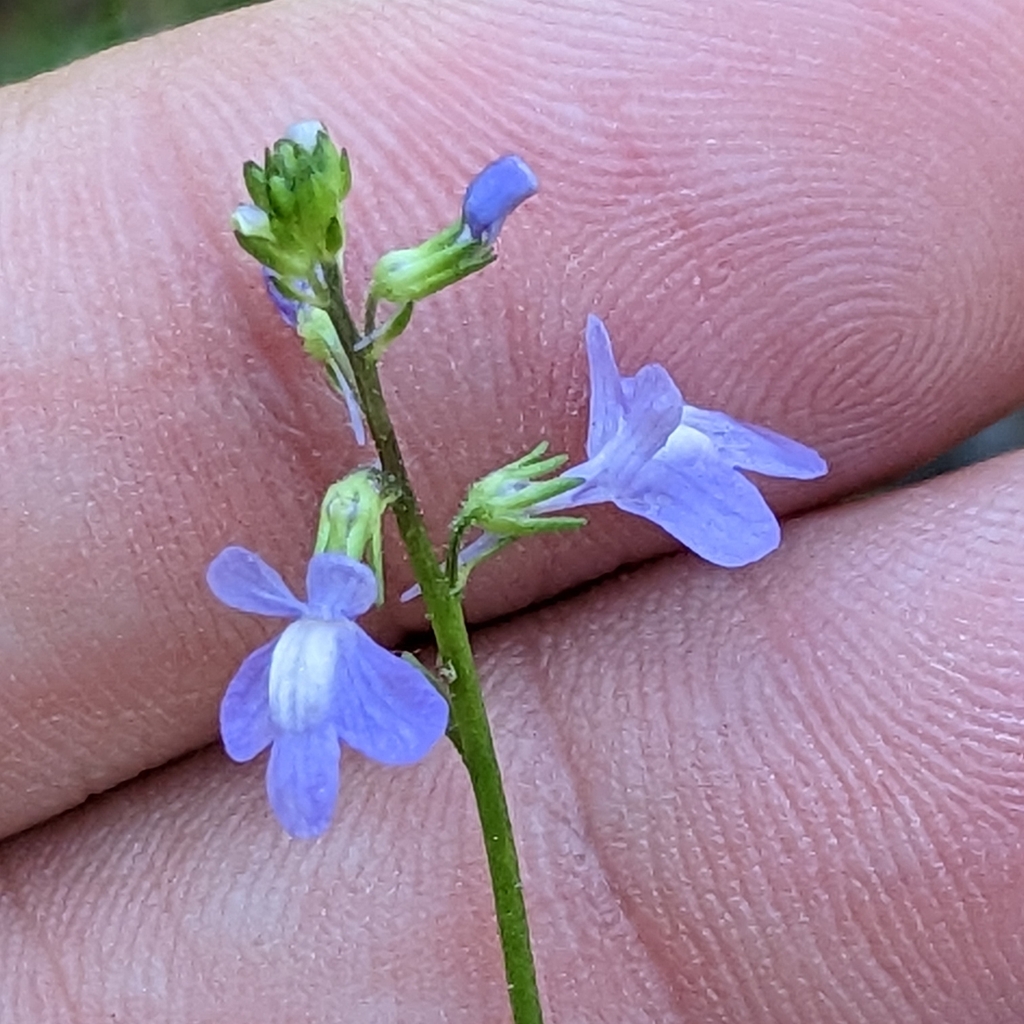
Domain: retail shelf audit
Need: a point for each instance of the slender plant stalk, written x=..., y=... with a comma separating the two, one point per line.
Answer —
x=469, y=716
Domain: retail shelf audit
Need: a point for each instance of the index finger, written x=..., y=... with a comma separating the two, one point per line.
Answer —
x=810, y=220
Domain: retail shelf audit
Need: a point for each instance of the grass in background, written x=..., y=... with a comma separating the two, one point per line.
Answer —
x=38, y=35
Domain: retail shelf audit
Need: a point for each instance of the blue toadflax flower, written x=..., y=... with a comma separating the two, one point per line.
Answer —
x=321, y=683
x=494, y=193
x=653, y=455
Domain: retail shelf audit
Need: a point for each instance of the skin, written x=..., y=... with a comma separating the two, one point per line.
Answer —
x=791, y=792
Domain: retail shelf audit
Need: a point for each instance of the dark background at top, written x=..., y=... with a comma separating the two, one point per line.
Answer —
x=37, y=35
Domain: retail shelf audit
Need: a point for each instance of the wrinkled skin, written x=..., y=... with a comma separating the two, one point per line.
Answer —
x=793, y=792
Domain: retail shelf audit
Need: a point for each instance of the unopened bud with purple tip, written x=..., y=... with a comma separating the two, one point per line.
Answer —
x=408, y=275
x=494, y=193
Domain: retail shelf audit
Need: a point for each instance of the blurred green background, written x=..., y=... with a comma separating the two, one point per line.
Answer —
x=37, y=35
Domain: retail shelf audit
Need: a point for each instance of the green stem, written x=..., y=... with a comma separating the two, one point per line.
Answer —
x=469, y=717
x=451, y=558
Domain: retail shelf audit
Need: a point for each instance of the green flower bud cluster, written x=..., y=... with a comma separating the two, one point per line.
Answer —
x=295, y=221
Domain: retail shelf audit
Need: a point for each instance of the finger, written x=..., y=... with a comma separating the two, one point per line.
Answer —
x=792, y=792
x=818, y=236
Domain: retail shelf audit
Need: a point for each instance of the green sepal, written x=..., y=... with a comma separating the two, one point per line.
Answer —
x=527, y=527
x=379, y=339
x=409, y=275
x=320, y=341
x=319, y=338
x=334, y=236
x=351, y=517
x=272, y=256
x=256, y=184
x=281, y=198
x=502, y=502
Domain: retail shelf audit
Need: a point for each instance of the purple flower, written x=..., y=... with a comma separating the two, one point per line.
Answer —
x=494, y=193
x=653, y=455
x=321, y=683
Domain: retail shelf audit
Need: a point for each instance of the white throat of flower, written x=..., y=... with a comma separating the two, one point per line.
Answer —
x=302, y=670
x=686, y=445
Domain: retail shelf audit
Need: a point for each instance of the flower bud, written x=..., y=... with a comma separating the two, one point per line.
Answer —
x=408, y=275
x=494, y=193
x=350, y=521
x=295, y=222
x=461, y=249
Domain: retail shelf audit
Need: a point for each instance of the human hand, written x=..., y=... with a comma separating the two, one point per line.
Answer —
x=790, y=792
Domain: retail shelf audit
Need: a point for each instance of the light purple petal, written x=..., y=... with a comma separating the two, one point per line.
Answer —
x=303, y=778
x=481, y=547
x=288, y=309
x=607, y=403
x=242, y=580
x=385, y=708
x=339, y=587
x=355, y=410
x=650, y=418
x=709, y=507
x=245, y=724
x=494, y=193
x=756, y=448
x=651, y=415
x=304, y=133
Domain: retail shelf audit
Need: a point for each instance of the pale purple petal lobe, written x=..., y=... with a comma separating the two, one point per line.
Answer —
x=288, y=309
x=303, y=778
x=709, y=507
x=242, y=580
x=756, y=448
x=652, y=414
x=650, y=417
x=339, y=587
x=245, y=725
x=355, y=410
x=385, y=708
x=494, y=193
x=607, y=403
